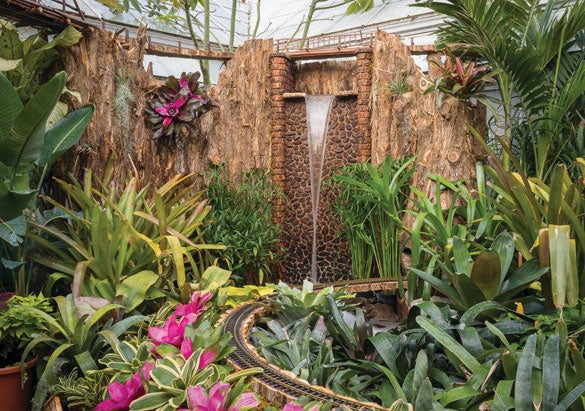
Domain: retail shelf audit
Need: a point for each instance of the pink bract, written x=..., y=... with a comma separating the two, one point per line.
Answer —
x=121, y=395
x=195, y=307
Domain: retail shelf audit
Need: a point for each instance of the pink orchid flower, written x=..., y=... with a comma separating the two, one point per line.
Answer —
x=217, y=399
x=170, y=110
x=291, y=406
x=121, y=395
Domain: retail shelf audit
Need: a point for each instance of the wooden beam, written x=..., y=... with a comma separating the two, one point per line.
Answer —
x=35, y=14
x=170, y=51
x=422, y=49
x=311, y=54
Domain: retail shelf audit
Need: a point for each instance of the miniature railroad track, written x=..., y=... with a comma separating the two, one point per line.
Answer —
x=280, y=386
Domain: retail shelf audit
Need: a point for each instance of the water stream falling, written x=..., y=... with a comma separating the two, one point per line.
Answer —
x=318, y=108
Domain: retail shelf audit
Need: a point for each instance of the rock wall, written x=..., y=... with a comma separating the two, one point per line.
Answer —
x=341, y=148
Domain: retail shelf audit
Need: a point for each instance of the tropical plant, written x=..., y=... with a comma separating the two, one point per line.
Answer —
x=385, y=189
x=467, y=281
x=536, y=54
x=24, y=61
x=241, y=219
x=181, y=363
x=73, y=339
x=460, y=79
x=354, y=213
x=302, y=347
x=18, y=326
x=293, y=303
x=399, y=85
x=174, y=106
x=470, y=217
x=154, y=246
x=535, y=213
x=28, y=149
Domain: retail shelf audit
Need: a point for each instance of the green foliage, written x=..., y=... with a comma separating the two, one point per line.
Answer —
x=241, y=219
x=25, y=61
x=72, y=340
x=470, y=218
x=489, y=277
x=129, y=246
x=536, y=53
x=382, y=191
x=18, y=326
x=301, y=347
x=28, y=149
x=461, y=79
x=399, y=85
x=292, y=304
x=81, y=391
x=535, y=212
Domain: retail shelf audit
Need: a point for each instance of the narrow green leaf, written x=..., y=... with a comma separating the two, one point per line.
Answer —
x=523, y=384
x=450, y=344
x=551, y=377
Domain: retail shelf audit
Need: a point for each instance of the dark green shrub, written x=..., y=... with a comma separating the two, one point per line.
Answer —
x=241, y=219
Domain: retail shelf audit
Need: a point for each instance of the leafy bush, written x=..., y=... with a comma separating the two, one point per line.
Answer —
x=370, y=207
x=28, y=149
x=128, y=246
x=241, y=219
x=19, y=325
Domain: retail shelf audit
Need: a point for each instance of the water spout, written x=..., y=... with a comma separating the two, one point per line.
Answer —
x=318, y=109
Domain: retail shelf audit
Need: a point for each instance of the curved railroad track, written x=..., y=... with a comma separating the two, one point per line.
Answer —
x=280, y=386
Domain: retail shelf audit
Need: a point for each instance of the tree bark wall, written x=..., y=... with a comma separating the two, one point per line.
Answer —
x=236, y=132
x=433, y=127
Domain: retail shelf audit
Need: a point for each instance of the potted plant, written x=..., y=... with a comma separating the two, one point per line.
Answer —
x=17, y=326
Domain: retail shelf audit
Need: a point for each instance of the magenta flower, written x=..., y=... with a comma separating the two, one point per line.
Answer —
x=193, y=309
x=170, y=110
x=207, y=357
x=187, y=348
x=217, y=400
x=121, y=395
x=170, y=333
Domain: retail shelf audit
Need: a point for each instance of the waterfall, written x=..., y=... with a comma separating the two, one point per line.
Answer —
x=318, y=107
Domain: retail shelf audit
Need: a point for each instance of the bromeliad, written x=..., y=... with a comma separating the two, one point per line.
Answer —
x=218, y=399
x=174, y=107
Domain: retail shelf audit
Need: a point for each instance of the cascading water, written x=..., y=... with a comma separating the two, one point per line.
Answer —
x=318, y=108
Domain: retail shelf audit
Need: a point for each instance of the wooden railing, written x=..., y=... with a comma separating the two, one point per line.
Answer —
x=320, y=43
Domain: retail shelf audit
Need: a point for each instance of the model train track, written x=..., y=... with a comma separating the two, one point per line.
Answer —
x=279, y=385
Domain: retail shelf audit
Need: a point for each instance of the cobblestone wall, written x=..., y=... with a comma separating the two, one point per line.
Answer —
x=342, y=148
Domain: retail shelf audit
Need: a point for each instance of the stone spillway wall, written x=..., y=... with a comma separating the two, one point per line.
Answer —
x=333, y=261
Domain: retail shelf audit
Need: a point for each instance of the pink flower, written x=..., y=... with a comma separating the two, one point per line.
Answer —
x=194, y=308
x=170, y=333
x=217, y=399
x=121, y=395
x=170, y=110
x=207, y=357
x=187, y=348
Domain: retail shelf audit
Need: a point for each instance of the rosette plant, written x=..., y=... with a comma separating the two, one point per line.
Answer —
x=174, y=106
